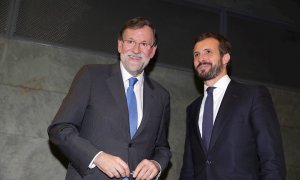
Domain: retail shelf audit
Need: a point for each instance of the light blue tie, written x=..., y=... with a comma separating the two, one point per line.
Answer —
x=132, y=107
x=207, y=124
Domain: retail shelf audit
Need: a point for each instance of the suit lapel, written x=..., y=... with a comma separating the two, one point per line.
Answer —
x=148, y=102
x=116, y=86
x=223, y=116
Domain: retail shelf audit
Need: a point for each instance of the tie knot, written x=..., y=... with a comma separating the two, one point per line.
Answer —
x=132, y=81
x=210, y=90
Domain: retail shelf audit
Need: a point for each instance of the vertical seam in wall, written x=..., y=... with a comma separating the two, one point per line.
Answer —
x=3, y=54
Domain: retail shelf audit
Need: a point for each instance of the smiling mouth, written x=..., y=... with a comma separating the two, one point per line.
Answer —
x=135, y=57
x=203, y=66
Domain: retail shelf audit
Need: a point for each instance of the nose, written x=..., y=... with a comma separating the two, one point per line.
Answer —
x=202, y=57
x=136, y=48
x=199, y=58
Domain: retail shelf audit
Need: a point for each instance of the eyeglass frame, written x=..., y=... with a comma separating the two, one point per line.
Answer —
x=127, y=43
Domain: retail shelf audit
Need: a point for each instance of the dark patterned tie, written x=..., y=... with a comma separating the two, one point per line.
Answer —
x=207, y=124
x=132, y=107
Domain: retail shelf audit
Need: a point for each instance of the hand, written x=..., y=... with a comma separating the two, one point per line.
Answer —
x=112, y=166
x=146, y=170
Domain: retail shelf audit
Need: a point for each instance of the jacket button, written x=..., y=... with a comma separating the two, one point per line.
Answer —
x=208, y=162
x=129, y=145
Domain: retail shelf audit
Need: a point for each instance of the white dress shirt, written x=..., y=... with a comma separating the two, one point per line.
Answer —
x=218, y=94
x=138, y=90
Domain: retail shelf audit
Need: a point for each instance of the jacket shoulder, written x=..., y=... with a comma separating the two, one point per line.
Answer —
x=157, y=86
x=247, y=87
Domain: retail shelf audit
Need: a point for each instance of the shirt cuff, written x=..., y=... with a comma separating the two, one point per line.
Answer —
x=92, y=165
x=158, y=175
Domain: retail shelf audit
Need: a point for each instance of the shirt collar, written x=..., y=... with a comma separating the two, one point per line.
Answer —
x=126, y=75
x=221, y=83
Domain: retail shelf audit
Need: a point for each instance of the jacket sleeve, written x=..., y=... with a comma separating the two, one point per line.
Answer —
x=162, y=153
x=64, y=130
x=268, y=136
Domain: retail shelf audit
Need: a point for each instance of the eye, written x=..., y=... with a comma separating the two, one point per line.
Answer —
x=144, y=44
x=207, y=51
x=130, y=42
x=196, y=55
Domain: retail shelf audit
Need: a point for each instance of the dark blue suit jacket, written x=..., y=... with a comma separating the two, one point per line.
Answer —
x=94, y=117
x=246, y=140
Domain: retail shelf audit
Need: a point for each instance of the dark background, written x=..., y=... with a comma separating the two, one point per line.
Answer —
x=266, y=42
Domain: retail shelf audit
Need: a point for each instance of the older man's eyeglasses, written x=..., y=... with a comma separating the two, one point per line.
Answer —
x=142, y=45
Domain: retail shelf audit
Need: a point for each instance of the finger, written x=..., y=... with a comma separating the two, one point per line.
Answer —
x=121, y=170
x=124, y=168
x=143, y=171
x=115, y=173
x=122, y=174
x=138, y=169
x=111, y=165
x=153, y=174
x=148, y=171
x=109, y=174
x=154, y=169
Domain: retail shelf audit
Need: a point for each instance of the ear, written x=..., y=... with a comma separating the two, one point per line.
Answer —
x=226, y=58
x=153, y=50
x=120, y=46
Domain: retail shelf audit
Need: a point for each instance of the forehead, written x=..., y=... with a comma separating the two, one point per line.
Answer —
x=208, y=43
x=143, y=34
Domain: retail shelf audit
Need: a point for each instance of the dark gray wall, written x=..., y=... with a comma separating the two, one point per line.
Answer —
x=34, y=78
x=43, y=45
x=265, y=34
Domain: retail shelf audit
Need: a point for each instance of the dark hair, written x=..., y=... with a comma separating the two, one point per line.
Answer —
x=137, y=23
x=224, y=44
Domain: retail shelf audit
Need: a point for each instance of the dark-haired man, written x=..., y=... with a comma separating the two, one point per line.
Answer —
x=113, y=123
x=232, y=129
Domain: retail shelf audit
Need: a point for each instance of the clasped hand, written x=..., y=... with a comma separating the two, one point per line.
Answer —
x=115, y=167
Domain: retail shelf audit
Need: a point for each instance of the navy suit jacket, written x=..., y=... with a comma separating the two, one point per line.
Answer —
x=94, y=117
x=246, y=140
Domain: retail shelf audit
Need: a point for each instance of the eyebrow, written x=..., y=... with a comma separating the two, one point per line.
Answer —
x=136, y=41
x=207, y=49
